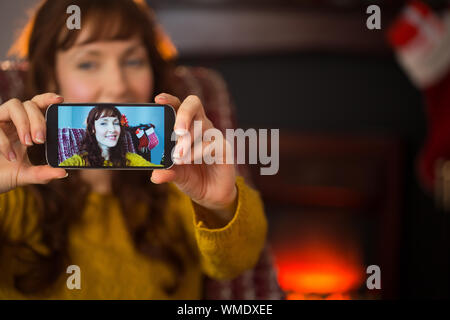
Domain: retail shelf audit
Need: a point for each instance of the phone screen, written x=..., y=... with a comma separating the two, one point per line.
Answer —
x=109, y=136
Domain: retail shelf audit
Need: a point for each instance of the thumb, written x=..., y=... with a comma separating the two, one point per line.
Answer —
x=174, y=174
x=39, y=174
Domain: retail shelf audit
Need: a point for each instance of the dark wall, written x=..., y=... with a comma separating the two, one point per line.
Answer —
x=322, y=92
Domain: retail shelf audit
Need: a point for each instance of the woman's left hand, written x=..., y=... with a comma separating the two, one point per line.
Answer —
x=212, y=186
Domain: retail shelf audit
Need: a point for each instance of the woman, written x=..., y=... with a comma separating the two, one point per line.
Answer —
x=103, y=144
x=131, y=238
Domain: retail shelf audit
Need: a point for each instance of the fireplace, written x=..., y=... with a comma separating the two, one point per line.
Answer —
x=333, y=210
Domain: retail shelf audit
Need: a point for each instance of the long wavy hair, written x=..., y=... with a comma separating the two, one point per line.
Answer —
x=90, y=150
x=60, y=203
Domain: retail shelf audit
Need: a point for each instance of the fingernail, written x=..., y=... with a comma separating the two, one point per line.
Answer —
x=181, y=132
x=12, y=156
x=67, y=174
x=57, y=96
x=161, y=96
x=28, y=140
x=40, y=137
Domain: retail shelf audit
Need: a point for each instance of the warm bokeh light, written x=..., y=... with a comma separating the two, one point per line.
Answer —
x=319, y=269
x=333, y=296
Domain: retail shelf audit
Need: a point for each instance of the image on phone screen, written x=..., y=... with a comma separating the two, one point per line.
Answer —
x=108, y=136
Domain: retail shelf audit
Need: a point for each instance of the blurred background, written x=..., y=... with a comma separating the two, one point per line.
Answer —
x=351, y=126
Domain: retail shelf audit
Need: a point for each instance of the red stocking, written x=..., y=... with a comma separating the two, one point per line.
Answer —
x=421, y=41
x=143, y=140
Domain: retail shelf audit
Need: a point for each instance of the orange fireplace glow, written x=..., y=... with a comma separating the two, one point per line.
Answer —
x=319, y=271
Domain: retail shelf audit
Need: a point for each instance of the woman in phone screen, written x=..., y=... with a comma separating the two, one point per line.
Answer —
x=104, y=142
x=133, y=234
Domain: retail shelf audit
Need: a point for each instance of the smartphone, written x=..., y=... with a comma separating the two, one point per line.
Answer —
x=109, y=136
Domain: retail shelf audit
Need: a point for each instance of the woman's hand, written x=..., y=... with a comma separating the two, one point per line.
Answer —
x=212, y=186
x=21, y=124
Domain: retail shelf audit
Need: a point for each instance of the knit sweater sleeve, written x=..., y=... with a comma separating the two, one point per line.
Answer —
x=228, y=251
x=19, y=218
x=11, y=205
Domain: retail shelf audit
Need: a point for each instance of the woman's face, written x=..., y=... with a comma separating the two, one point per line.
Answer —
x=105, y=71
x=107, y=131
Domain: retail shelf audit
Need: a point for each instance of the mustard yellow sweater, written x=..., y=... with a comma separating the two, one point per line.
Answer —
x=135, y=160
x=111, y=268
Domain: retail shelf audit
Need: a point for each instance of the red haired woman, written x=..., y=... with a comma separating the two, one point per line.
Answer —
x=130, y=237
x=103, y=144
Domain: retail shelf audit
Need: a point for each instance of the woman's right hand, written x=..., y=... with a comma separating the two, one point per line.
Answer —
x=21, y=124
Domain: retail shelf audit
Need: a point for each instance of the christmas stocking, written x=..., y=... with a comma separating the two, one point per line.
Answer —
x=152, y=137
x=421, y=40
x=143, y=140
